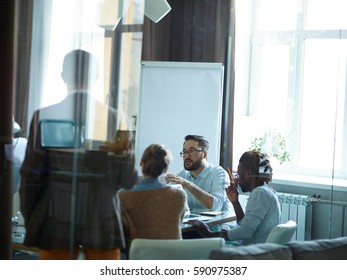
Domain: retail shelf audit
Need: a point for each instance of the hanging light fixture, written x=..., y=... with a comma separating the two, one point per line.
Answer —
x=156, y=10
x=110, y=12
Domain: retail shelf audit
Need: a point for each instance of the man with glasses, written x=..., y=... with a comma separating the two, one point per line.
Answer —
x=204, y=183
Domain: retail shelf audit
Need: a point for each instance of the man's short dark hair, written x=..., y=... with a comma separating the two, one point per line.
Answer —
x=203, y=143
x=258, y=163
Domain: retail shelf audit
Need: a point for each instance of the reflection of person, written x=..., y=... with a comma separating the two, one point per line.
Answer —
x=152, y=209
x=79, y=104
x=61, y=217
x=263, y=208
x=204, y=183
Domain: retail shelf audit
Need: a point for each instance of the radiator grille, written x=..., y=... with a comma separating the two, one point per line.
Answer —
x=299, y=209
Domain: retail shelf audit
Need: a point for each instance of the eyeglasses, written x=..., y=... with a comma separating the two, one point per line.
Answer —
x=190, y=152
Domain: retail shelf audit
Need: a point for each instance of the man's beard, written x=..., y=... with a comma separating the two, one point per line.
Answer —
x=244, y=188
x=194, y=166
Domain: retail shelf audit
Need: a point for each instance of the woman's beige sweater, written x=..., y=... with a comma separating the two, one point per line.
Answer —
x=152, y=214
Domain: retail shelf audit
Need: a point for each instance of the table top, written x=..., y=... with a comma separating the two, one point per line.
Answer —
x=209, y=220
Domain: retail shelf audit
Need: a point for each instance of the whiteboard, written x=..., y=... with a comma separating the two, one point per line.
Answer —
x=177, y=99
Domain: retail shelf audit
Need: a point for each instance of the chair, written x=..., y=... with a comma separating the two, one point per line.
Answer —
x=58, y=133
x=282, y=233
x=173, y=249
x=72, y=171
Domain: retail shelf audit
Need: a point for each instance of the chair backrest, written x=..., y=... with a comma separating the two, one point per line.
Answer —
x=173, y=249
x=282, y=233
x=57, y=133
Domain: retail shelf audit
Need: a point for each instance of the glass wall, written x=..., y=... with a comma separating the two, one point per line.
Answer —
x=288, y=99
x=76, y=144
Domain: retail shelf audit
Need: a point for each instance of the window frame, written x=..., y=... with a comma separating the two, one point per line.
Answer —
x=295, y=39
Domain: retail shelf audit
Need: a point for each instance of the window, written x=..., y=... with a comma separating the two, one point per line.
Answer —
x=125, y=80
x=291, y=59
x=122, y=47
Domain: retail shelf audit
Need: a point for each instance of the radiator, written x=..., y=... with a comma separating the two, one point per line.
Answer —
x=329, y=218
x=299, y=209
x=316, y=218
